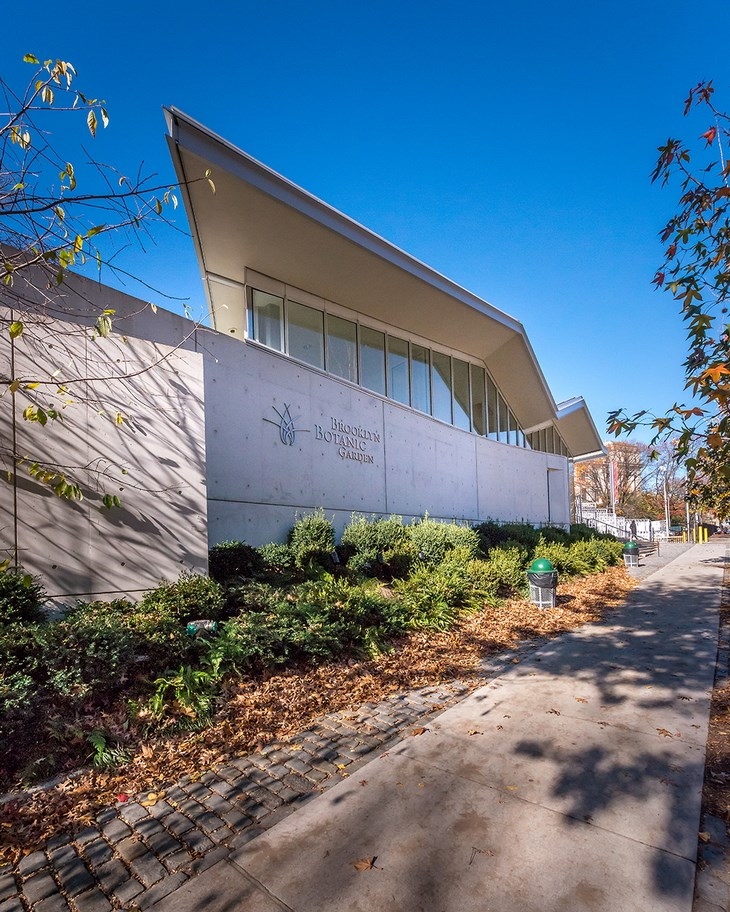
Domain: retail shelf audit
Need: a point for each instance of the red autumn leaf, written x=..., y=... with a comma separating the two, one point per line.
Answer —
x=710, y=135
x=122, y=797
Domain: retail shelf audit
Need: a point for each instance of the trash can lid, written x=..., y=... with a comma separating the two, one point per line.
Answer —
x=541, y=565
x=631, y=546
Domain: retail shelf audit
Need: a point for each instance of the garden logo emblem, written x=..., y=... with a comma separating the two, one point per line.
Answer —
x=286, y=425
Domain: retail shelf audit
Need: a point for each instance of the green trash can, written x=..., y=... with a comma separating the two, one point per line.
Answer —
x=631, y=554
x=543, y=579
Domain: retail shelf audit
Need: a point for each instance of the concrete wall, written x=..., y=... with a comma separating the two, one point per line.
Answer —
x=154, y=460
x=349, y=450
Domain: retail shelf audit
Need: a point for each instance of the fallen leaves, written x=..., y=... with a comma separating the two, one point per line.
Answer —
x=365, y=864
x=259, y=711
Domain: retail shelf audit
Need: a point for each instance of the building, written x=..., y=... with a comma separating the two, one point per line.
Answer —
x=339, y=373
x=355, y=377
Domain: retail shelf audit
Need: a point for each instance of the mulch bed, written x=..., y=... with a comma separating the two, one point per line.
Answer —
x=254, y=712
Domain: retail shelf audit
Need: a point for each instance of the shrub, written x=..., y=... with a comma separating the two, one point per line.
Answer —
x=378, y=547
x=312, y=540
x=276, y=559
x=192, y=596
x=233, y=558
x=505, y=569
x=433, y=540
x=21, y=597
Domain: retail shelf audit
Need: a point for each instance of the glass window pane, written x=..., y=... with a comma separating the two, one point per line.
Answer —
x=441, y=386
x=342, y=348
x=398, y=379
x=492, y=411
x=372, y=360
x=306, y=333
x=503, y=420
x=268, y=319
x=478, y=400
x=514, y=438
x=420, y=379
x=461, y=394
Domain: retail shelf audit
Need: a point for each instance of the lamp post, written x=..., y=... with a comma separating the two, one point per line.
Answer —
x=665, y=491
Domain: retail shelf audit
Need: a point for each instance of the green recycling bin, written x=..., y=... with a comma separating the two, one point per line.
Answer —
x=543, y=579
x=631, y=554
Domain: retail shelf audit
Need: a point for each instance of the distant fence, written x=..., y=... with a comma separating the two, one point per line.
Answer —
x=620, y=526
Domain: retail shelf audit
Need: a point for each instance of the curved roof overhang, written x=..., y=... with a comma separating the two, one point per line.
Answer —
x=258, y=220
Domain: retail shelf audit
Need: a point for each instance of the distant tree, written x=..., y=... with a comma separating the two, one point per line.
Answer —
x=626, y=466
x=696, y=272
x=58, y=212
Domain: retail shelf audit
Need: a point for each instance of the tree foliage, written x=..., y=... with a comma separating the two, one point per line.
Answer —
x=696, y=272
x=61, y=211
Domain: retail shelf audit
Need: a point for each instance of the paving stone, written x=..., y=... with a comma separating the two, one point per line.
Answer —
x=98, y=852
x=38, y=887
x=298, y=765
x=221, y=835
x=87, y=835
x=55, y=842
x=225, y=789
x=62, y=855
x=112, y=875
x=131, y=849
x=198, y=790
x=161, y=890
x=116, y=830
x=132, y=811
x=175, y=795
x=92, y=901
x=163, y=844
x=8, y=885
x=218, y=805
x=149, y=827
x=197, y=841
x=178, y=823
x=148, y=869
x=12, y=905
x=209, y=822
x=32, y=863
x=236, y=819
x=160, y=810
x=198, y=865
x=52, y=904
x=75, y=877
x=127, y=891
x=315, y=775
x=207, y=777
x=177, y=860
x=191, y=808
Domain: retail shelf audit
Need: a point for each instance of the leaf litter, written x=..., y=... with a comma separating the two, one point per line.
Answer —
x=257, y=711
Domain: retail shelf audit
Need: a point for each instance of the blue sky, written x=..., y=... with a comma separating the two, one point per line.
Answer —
x=509, y=146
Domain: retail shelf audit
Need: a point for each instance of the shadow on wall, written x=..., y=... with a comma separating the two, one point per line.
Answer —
x=132, y=426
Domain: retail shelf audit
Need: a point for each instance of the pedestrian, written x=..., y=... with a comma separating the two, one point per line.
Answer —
x=632, y=529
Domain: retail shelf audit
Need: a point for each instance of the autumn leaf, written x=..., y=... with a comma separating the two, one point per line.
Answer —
x=710, y=135
x=473, y=731
x=418, y=731
x=664, y=733
x=581, y=700
x=365, y=864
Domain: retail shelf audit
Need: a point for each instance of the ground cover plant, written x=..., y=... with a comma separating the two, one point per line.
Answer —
x=141, y=692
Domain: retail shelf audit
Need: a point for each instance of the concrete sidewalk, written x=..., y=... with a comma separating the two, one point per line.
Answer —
x=572, y=781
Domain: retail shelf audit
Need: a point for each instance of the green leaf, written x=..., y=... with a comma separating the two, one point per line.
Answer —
x=30, y=58
x=16, y=329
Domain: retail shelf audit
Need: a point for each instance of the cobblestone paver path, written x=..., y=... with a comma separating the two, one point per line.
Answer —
x=134, y=855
